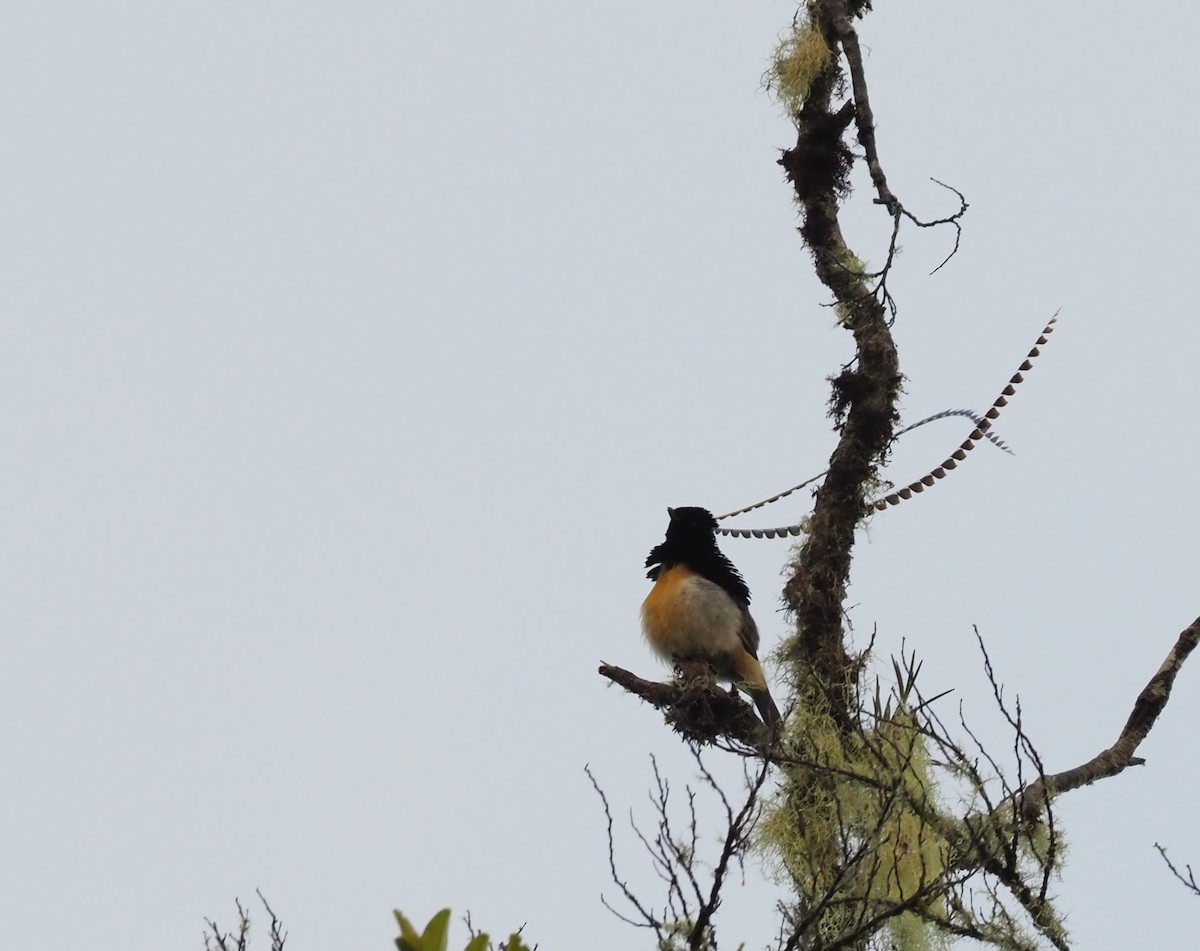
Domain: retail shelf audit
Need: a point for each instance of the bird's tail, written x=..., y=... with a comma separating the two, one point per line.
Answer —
x=766, y=709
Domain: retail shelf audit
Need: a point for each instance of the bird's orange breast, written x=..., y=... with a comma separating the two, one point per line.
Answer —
x=662, y=607
x=685, y=615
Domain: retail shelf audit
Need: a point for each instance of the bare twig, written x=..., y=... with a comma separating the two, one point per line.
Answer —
x=647, y=918
x=690, y=905
x=737, y=836
x=217, y=940
x=277, y=934
x=1188, y=880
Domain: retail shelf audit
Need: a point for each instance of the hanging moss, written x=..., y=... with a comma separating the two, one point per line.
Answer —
x=798, y=60
x=846, y=827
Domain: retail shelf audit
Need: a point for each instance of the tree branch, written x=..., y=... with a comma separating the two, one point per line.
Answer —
x=695, y=706
x=1150, y=703
x=864, y=394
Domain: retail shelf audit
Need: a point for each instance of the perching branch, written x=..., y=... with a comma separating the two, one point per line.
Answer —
x=696, y=707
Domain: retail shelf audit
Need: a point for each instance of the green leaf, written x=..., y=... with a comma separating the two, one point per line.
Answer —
x=409, y=939
x=437, y=932
x=478, y=943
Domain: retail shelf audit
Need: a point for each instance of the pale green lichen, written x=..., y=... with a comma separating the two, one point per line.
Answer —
x=801, y=56
x=848, y=828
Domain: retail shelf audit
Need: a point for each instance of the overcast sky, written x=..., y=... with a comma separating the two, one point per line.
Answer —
x=351, y=354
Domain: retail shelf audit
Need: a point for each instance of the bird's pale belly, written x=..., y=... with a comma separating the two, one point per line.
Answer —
x=687, y=616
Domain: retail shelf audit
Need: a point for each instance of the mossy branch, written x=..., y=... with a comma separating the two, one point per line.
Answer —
x=864, y=398
x=696, y=707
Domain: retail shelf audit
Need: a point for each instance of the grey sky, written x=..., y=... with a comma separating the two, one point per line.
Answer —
x=351, y=354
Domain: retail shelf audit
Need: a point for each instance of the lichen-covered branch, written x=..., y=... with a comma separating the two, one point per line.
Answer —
x=864, y=393
x=696, y=707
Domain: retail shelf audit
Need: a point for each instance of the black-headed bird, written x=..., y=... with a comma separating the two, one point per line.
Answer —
x=699, y=607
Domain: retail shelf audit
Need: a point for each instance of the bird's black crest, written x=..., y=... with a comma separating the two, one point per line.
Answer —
x=692, y=541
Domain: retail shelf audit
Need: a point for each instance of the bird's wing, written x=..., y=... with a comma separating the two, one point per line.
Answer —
x=749, y=633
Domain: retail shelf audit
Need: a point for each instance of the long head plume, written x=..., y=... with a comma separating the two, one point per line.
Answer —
x=983, y=425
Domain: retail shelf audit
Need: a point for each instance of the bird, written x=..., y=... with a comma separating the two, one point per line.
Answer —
x=699, y=607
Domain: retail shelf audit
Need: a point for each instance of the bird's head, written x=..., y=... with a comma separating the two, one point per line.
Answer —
x=692, y=540
x=691, y=523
